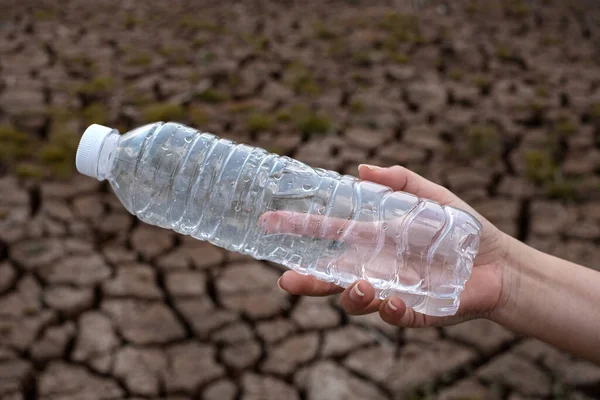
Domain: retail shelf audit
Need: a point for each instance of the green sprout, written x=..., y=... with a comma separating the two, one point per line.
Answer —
x=565, y=126
x=212, y=96
x=15, y=145
x=162, y=112
x=539, y=166
x=483, y=140
x=95, y=113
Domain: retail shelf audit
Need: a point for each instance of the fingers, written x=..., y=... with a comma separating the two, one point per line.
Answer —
x=394, y=311
x=319, y=226
x=401, y=179
x=306, y=285
x=296, y=223
x=359, y=298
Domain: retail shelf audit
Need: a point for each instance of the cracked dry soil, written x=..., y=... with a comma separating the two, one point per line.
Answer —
x=501, y=103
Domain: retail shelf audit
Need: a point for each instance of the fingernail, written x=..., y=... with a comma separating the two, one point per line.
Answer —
x=355, y=293
x=279, y=285
x=370, y=167
x=390, y=308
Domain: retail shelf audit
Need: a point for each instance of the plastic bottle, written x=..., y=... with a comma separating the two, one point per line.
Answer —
x=245, y=199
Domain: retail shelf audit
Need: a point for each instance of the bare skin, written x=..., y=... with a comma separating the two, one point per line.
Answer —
x=525, y=290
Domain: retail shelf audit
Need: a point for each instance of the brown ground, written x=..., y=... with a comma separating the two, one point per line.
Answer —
x=501, y=104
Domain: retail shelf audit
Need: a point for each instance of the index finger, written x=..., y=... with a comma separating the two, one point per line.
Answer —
x=312, y=225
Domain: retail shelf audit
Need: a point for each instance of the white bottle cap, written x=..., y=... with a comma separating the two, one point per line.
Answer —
x=89, y=149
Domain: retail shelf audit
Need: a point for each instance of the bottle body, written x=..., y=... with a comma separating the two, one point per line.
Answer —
x=336, y=228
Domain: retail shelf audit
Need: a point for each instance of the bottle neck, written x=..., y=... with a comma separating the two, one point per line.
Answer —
x=108, y=155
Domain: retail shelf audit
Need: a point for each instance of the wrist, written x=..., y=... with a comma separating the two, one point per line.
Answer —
x=515, y=258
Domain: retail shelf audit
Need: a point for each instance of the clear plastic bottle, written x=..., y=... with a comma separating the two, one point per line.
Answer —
x=241, y=198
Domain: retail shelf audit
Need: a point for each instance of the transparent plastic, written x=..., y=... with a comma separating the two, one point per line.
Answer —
x=336, y=228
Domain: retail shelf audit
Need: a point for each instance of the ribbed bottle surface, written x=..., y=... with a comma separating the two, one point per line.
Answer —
x=336, y=228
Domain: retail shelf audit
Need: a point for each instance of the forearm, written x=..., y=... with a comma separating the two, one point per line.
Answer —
x=551, y=299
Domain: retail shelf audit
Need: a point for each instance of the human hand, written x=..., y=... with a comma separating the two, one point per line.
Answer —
x=483, y=292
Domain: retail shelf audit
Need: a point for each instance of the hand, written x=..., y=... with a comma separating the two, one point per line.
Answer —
x=483, y=293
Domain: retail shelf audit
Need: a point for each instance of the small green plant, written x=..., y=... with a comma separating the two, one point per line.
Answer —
x=260, y=43
x=199, y=42
x=240, y=108
x=357, y=106
x=483, y=83
x=549, y=40
x=360, y=79
x=595, y=111
x=483, y=140
x=539, y=166
x=283, y=116
x=139, y=60
x=323, y=32
x=259, y=122
x=473, y=8
x=538, y=107
x=97, y=85
x=562, y=188
x=78, y=60
x=138, y=96
x=337, y=48
x=195, y=77
x=59, y=114
x=162, y=112
x=300, y=79
x=14, y=144
x=234, y=79
x=209, y=57
x=95, y=113
x=211, y=96
x=197, y=116
x=174, y=54
x=399, y=58
x=362, y=58
x=402, y=27
x=455, y=74
x=307, y=85
x=129, y=21
x=542, y=91
x=310, y=123
x=504, y=53
x=28, y=171
x=565, y=126
x=45, y=15
x=64, y=135
x=59, y=159
x=517, y=8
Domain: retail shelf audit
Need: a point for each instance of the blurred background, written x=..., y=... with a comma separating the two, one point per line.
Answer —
x=499, y=101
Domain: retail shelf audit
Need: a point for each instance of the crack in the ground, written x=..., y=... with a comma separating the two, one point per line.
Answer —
x=365, y=378
x=524, y=220
x=464, y=371
x=170, y=303
x=35, y=201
